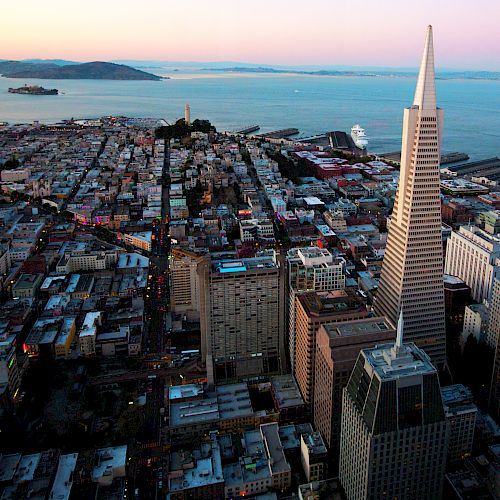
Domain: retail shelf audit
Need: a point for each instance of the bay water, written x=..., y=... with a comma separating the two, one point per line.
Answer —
x=313, y=104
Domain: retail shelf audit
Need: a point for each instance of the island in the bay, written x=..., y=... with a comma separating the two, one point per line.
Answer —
x=33, y=90
x=78, y=71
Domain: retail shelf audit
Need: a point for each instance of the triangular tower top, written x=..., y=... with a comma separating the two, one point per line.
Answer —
x=425, y=94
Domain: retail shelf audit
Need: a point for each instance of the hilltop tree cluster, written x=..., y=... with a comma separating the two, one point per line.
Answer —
x=180, y=129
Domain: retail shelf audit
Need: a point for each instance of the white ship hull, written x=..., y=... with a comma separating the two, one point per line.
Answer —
x=359, y=137
x=361, y=143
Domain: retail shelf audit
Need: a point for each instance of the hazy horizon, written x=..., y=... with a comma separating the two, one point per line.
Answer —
x=149, y=63
x=386, y=33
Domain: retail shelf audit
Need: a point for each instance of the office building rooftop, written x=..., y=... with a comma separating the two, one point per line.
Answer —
x=274, y=448
x=331, y=302
x=184, y=391
x=108, y=460
x=314, y=443
x=359, y=327
x=457, y=400
x=8, y=466
x=202, y=467
x=63, y=480
x=267, y=260
x=286, y=391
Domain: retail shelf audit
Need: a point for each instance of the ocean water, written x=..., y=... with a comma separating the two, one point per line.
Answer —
x=313, y=104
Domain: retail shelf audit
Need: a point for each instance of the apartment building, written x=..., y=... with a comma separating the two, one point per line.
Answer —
x=242, y=317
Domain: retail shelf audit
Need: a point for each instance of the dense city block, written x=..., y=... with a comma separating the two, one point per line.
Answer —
x=194, y=314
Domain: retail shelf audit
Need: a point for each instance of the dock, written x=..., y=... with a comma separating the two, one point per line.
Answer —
x=339, y=140
x=489, y=168
x=280, y=134
x=446, y=158
x=312, y=138
x=247, y=130
x=453, y=158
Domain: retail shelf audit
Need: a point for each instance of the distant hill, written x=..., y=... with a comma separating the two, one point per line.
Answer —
x=83, y=71
x=58, y=62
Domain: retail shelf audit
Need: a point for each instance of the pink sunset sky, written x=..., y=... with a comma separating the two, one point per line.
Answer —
x=280, y=32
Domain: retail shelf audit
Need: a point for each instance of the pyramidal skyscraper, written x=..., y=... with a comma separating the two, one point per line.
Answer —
x=412, y=270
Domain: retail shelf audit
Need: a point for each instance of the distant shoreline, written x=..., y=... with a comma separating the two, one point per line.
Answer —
x=465, y=75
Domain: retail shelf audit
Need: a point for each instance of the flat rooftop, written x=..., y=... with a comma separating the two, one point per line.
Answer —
x=234, y=401
x=194, y=412
x=228, y=401
x=241, y=265
x=286, y=392
x=456, y=393
x=131, y=260
x=63, y=480
x=143, y=236
x=453, y=280
x=274, y=448
x=184, y=391
x=314, y=443
x=335, y=302
x=462, y=185
x=289, y=437
x=206, y=470
x=8, y=466
x=387, y=364
x=237, y=474
x=27, y=281
x=108, y=460
x=360, y=327
x=27, y=467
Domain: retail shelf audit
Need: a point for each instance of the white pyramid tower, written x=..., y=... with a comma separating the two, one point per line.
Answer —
x=412, y=271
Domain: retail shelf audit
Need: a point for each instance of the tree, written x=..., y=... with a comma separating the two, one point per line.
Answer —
x=11, y=164
x=180, y=129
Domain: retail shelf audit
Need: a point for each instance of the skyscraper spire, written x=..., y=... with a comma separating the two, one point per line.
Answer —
x=425, y=93
x=399, y=336
x=412, y=271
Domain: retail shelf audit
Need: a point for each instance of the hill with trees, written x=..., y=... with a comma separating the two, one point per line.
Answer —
x=83, y=71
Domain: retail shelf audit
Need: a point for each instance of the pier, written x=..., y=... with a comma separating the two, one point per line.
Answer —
x=489, y=168
x=312, y=138
x=453, y=158
x=247, y=130
x=446, y=158
x=280, y=134
x=339, y=140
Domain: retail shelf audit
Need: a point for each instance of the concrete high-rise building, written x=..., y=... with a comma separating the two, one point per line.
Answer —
x=456, y=298
x=242, y=316
x=394, y=433
x=474, y=256
x=337, y=349
x=313, y=455
x=493, y=336
x=412, y=270
x=187, y=114
x=310, y=269
x=491, y=221
x=493, y=324
x=185, y=282
x=476, y=324
x=314, y=309
x=461, y=413
x=10, y=379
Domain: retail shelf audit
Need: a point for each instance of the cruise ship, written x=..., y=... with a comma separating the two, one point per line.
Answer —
x=359, y=137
